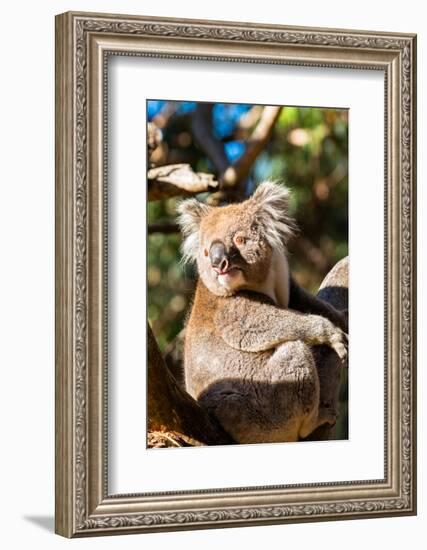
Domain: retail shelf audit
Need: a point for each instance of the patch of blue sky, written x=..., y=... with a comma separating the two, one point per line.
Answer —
x=186, y=107
x=225, y=117
x=234, y=150
x=154, y=107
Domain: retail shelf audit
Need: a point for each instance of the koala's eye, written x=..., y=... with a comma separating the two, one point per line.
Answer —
x=239, y=240
x=205, y=252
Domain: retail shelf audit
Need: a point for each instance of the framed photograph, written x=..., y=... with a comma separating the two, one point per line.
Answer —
x=220, y=361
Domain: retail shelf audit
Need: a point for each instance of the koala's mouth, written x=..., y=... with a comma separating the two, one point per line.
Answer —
x=230, y=272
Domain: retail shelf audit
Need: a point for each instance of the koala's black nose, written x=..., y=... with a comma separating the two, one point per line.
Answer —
x=218, y=256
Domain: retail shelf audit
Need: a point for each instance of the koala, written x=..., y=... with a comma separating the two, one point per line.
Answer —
x=248, y=356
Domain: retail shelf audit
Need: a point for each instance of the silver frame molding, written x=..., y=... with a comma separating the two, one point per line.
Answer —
x=83, y=43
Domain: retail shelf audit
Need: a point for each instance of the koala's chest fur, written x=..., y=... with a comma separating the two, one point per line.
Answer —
x=207, y=357
x=257, y=396
x=277, y=283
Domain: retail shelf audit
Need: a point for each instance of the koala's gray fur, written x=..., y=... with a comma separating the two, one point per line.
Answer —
x=247, y=355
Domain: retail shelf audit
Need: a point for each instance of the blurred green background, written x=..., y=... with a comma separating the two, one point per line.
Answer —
x=308, y=150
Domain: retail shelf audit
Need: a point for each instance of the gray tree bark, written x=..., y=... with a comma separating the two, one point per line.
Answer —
x=334, y=290
x=175, y=419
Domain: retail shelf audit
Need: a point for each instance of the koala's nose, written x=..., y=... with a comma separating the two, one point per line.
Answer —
x=218, y=256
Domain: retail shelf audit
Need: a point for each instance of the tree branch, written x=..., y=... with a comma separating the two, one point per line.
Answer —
x=258, y=140
x=180, y=179
x=231, y=176
x=203, y=132
x=177, y=179
x=173, y=415
x=166, y=228
x=154, y=137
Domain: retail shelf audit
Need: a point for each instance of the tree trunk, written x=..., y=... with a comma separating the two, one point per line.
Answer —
x=174, y=417
x=334, y=290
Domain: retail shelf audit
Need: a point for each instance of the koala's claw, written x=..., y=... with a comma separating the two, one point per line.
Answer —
x=339, y=343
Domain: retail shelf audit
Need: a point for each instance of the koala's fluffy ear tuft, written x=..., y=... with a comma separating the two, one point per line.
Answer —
x=191, y=212
x=271, y=209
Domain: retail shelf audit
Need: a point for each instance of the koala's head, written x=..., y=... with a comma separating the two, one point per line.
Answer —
x=233, y=245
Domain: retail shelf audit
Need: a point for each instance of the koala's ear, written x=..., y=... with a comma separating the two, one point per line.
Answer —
x=191, y=212
x=270, y=204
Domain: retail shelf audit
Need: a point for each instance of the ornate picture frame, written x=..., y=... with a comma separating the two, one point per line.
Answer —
x=83, y=44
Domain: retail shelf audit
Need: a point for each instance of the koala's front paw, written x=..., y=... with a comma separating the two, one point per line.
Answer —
x=339, y=343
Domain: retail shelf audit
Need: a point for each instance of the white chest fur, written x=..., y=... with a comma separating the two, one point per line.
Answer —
x=276, y=285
